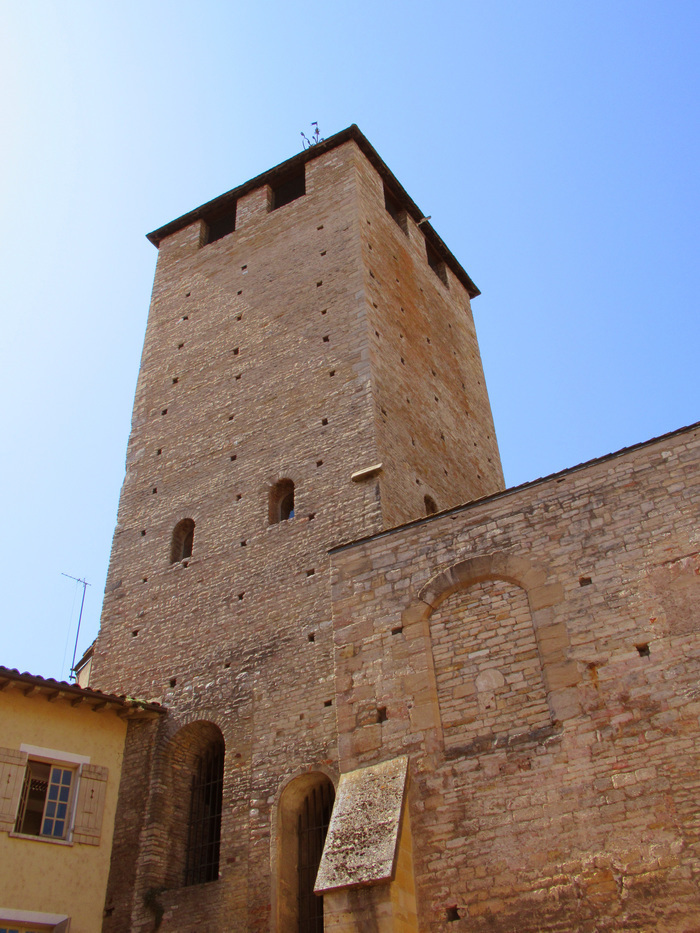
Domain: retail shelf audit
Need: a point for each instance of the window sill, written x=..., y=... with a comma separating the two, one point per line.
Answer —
x=55, y=842
x=179, y=564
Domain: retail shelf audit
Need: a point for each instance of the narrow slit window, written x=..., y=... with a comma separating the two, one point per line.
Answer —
x=435, y=263
x=281, y=502
x=395, y=210
x=182, y=541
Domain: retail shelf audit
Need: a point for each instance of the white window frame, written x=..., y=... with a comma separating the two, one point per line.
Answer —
x=57, y=758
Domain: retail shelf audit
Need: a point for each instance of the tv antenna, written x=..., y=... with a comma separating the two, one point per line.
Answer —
x=80, y=617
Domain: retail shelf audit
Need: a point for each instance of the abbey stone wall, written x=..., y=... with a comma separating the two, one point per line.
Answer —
x=537, y=657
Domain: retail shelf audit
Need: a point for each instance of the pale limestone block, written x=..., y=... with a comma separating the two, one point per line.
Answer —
x=367, y=738
x=415, y=613
x=560, y=675
x=564, y=704
x=489, y=681
x=543, y=596
x=424, y=716
x=623, y=779
x=362, y=842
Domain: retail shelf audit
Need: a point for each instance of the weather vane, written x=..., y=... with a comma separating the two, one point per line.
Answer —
x=315, y=136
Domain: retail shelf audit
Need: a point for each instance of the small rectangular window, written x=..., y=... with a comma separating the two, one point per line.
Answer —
x=435, y=263
x=395, y=210
x=221, y=224
x=51, y=796
x=289, y=189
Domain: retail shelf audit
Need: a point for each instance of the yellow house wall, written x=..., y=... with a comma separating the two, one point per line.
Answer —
x=53, y=877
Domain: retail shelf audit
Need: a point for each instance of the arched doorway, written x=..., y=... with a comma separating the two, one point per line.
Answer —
x=303, y=817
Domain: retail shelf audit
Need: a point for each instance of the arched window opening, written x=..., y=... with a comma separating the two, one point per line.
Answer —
x=185, y=835
x=303, y=818
x=204, y=831
x=281, y=503
x=312, y=826
x=430, y=506
x=183, y=540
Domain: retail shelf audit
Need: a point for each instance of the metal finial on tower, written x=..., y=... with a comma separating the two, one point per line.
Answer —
x=315, y=136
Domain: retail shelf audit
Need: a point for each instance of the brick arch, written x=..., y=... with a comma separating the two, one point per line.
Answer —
x=173, y=724
x=295, y=778
x=179, y=747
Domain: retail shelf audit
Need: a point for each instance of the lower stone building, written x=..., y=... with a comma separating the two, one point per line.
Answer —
x=399, y=696
x=536, y=656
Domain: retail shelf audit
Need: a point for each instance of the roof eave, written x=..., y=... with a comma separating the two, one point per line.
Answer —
x=32, y=684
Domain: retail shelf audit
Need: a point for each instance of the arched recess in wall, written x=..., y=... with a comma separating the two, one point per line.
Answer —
x=495, y=566
x=303, y=815
x=494, y=650
x=182, y=541
x=487, y=665
x=190, y=804
x=281, y=501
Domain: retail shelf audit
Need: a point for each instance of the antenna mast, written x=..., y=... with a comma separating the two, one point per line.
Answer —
x=80, y=618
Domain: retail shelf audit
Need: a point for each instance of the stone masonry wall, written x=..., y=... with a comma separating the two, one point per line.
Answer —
x=256, y=367
x=237, y=379
x=584, y=815
x=487, y=667
x=432, y=411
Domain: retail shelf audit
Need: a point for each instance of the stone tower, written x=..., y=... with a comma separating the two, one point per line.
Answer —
x=310, y=376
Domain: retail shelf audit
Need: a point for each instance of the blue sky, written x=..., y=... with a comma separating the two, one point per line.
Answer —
x=555, y=145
